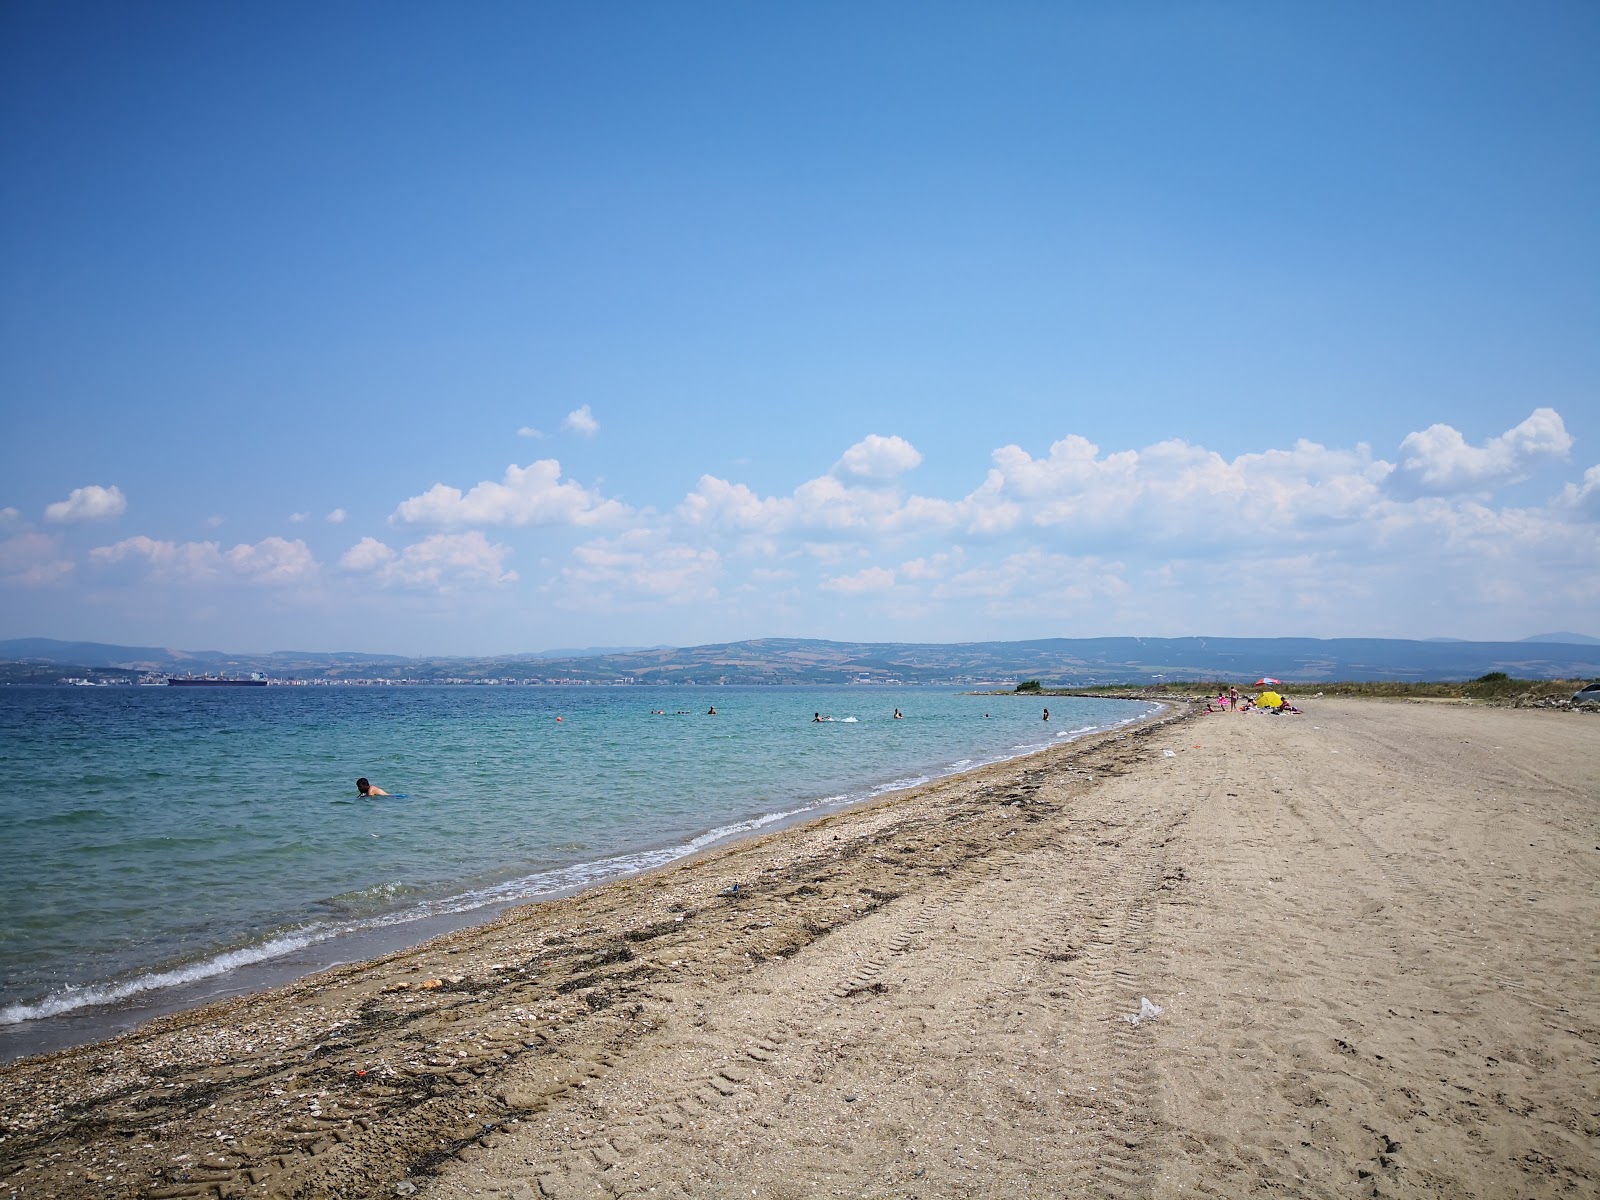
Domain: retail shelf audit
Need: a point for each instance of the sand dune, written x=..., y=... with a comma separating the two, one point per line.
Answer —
x=1370, y=931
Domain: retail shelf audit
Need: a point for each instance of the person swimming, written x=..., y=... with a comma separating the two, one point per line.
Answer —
x=366, y=789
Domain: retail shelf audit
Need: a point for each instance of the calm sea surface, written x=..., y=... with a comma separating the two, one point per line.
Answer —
x=160, y=846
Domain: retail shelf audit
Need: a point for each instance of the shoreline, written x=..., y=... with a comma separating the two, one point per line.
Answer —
x=98, y=1021
x=931, y=994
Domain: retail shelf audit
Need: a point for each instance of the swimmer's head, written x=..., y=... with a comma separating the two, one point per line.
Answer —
x=362, y=785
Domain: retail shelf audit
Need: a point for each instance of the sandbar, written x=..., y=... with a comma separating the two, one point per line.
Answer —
x=1349, y=953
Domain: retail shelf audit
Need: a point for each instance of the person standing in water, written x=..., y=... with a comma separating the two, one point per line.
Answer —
x=366, y=789
x=1047, y=714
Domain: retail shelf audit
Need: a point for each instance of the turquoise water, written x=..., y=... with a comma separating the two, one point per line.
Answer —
x=155, y=837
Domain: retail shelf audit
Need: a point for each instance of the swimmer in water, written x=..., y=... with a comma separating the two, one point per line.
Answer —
x=712, y=711
x=1047, y=714
x=897, y=715
x=366, y=789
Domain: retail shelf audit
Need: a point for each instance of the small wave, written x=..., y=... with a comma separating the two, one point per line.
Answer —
x=369, y=901
x=69, y=999
x=848, y=721
x=395, y=904
x=74, y=816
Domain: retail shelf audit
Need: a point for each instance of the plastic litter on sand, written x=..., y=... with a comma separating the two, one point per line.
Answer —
x=1145, y=1013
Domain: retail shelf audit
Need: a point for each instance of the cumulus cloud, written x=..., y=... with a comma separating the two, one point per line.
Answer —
x=640, y=568
x=9, y=516
x=273, y=561
x=871, y=579
x=528, y=431
x=92, y=503
x=932, y=566
x=1174, y=489
x=531, y=495
x=1039, y=582
x=877, y=459
x=1582, y=498
x=1438, y=461
x=297, y=518
x=443, y=561
x=32, y=560
x=336, y=517
x=581, y=422
x=855, y=497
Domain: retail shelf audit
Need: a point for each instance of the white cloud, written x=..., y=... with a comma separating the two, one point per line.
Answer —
x=9, y=516
x=366, y=555
x=92, y=503
x=215, y=521
x=877, y=459
x=443, y=561
x=640, y=568
x=1437, y=461
x=854, y=498
x=1037, y=582
x=871, y=579
x=298, y=517
x=717, y=502
x=528, y=431
x=933, y=566
x=32, y=560
x=336, y=517
x=273, y=561
x=581, y=421
x=1582, y=498
x=531, y=495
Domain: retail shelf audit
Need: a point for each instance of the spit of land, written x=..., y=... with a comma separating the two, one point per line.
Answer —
x=1349, y=953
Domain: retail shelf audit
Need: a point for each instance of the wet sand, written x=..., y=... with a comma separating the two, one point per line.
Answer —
x=1370, y=930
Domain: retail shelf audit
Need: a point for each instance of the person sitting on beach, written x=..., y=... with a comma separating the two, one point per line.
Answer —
x=366, y=789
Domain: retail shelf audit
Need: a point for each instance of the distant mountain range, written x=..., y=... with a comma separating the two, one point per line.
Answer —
x=1068, y=662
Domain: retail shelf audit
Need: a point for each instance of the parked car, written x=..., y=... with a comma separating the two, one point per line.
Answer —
x=1587, y=695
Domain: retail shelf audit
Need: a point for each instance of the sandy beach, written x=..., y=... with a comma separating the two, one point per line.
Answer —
x=1370, y=932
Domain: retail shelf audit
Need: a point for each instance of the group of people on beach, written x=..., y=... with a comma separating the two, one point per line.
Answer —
x=1232, y=701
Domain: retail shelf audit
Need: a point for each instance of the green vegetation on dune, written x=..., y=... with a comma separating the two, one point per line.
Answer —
x=1497, y=687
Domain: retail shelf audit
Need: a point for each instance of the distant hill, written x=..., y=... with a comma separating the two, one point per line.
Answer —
x=588, y=652
x=1570, y=639
x=1069, y=662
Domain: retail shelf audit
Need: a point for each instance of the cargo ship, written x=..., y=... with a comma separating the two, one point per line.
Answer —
x=214, y=681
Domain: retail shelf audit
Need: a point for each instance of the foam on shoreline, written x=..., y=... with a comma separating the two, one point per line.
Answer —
x=76, y=1014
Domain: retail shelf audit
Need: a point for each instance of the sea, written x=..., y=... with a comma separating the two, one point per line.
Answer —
x=162, y=847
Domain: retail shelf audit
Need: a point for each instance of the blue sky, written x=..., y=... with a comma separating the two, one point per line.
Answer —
x=498, y=327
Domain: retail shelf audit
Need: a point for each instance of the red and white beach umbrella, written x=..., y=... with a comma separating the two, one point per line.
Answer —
x=1266, y=679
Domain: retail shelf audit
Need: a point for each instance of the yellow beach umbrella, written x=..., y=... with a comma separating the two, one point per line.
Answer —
x=1269, y=700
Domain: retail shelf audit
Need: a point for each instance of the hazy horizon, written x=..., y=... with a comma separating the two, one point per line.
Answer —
x=576, y=651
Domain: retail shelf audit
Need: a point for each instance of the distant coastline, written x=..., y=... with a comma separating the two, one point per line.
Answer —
x=1054, y=662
